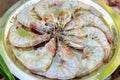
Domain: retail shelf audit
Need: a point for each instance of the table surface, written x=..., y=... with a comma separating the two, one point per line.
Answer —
x=6, y=4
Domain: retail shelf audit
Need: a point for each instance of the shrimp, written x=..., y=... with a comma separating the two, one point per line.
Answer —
x=25, y=41
x=28, y=18
x=72, y=6
x=73, y=41
x=37, y=60
x=42, y=9
x=68, y=10
x=91, y=58
x=48, y=11
x=65, y=64
x=76, y=36
x=90, y=19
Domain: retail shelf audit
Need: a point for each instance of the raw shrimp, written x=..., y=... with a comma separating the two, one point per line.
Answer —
x=89, y=32
x=73, y=41
x=72, y=6
x=90, y=19
x=92, y=56
x=76, y=36
x=68, y=10
x=42, y=9
x=28, y=18
x=37, y=60
x=48, y=11
x=65, y=64
x=25, y=41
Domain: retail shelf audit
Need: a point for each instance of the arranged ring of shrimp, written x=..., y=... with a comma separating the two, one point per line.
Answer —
x=60, y=39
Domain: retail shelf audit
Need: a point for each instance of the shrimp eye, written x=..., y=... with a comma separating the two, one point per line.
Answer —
x=46, y=24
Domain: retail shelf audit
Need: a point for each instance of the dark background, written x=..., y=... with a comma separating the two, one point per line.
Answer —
x=5, y=5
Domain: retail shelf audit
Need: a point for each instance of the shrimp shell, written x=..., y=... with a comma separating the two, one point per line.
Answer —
x=28, y=18
x=27, y=41
x=90, y=19
x=75, y=38
x=64, y=66
x=37, y=60
x=91, y=57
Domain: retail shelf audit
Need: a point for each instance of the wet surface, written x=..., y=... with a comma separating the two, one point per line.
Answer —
x=6, y=4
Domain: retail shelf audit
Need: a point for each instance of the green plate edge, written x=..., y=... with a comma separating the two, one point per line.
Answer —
x=3, y=20
x=115, y=62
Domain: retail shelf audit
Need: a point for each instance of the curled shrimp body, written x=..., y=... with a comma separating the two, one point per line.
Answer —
x=25, y=41
x=65, y=64
x=90, y=19
x=48, y=11
x=61, y=67
x=28, y=18
x=71, y=6
x=37, y=60
x=92, y=56
x=76, y=36
x=68, y=9
x=42, y=9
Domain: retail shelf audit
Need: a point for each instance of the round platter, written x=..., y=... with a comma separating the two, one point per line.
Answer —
x=23, y=74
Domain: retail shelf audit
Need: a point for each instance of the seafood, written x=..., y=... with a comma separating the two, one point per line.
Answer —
x=42, y=9
x=25, y=41
x=28, y=18
x=37, y=60
x=73, y=41
x=72, y=6
x=65, y=64
x=60, y=39
x=49, y=11
x=68, y=10
x=90, y=19
x=91, y=57
x=76, y=37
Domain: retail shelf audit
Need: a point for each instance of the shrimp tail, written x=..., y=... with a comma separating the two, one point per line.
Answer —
x=110, y=40
x=107, y=56
x=105, y=60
